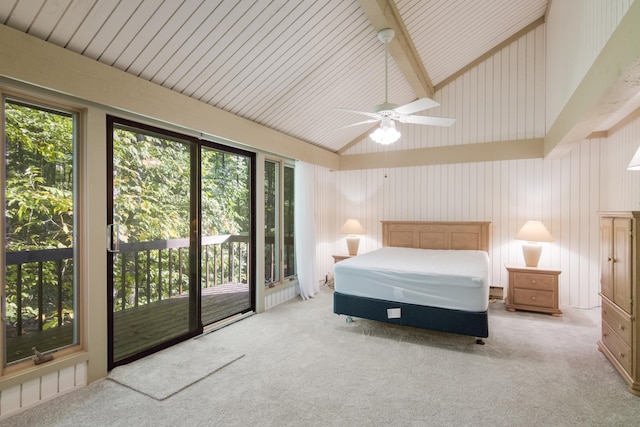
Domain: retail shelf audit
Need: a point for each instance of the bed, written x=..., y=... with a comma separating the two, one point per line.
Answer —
x=431, y=275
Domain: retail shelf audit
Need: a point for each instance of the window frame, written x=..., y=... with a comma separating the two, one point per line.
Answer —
x=287, y=167
x=77, y=115
x=280, y=165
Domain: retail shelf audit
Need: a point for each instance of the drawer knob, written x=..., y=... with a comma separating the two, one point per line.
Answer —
x=621, y=327
x=533, y=298
x=533, y=281
x=621, y=355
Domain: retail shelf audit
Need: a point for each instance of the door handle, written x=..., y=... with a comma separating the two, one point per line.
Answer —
x=113, y=238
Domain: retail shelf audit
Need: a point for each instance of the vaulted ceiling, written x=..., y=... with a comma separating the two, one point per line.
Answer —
x=283, y=64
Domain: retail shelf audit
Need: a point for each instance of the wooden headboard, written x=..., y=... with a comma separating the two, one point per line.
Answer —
x=437, y=235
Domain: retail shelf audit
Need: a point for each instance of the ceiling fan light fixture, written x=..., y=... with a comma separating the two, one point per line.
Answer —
x=387, y=112
x=385, y=134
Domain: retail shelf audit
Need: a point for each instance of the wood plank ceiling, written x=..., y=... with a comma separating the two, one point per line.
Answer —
x=283, y=64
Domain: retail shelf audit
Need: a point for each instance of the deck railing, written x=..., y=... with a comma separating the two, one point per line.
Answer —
x=144, y=272
x=41, y=266
x=147, y=272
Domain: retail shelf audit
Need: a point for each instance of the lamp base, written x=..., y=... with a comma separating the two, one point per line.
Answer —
x=531, y=252
x=352, y=245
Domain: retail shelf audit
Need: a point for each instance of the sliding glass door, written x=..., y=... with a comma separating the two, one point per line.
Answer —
x=226, y=224
x=181, y=250
x=153, y=248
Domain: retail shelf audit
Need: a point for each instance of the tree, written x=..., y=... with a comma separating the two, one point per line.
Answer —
x=38, y=212
x=152, y=200
x=39, y=190
x=152, y=192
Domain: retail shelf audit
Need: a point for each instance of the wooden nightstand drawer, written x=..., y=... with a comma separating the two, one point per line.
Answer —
x=618, y=348
x=533, y=298
x=539, y=281
x=533, y=289
x=617, y=321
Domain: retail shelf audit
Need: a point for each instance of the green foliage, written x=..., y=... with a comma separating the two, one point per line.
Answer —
x=152, y=180
x=152, y=189
x=38, y=212
x=288, y=226
x=271, y=264
x=39, y=191
x=271, y=195
x=225, y=194
x=151, y=183
x=152, y=202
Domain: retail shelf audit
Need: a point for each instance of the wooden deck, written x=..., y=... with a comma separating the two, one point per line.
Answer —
x=145, y=326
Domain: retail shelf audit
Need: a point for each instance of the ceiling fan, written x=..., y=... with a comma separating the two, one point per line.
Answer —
x=388, y=113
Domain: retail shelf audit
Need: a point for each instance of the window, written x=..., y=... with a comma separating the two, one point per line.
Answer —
x=271, y=222
x=39, y=231
x=287, y=216
x=279, y=222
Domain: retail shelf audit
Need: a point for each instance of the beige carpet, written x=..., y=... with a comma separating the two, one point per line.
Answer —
x=305, y=366
x=170, y=371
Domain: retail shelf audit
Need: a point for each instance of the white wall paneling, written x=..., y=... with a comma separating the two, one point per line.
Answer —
x=285, y=293
x=37, y=390
x=563, y=193
x=10, y=400
x=621, y=188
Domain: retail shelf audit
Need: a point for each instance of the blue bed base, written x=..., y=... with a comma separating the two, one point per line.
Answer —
x=475, y=324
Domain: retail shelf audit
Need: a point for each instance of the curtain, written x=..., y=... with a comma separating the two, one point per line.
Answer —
x=305, y=229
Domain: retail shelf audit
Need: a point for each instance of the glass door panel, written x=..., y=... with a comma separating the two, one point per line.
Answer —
x=226, y=244
x=153, y=254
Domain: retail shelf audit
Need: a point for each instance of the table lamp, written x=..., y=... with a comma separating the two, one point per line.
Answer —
x=352, y=227
x=634, y=164
x=532, y=233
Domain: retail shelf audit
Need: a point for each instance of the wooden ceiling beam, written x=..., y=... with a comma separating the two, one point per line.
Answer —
x=610, y=83
x=356, y=140
x=384, y=14
x=463, y=153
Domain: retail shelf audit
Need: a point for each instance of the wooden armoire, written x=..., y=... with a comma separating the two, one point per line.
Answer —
x=619, y=289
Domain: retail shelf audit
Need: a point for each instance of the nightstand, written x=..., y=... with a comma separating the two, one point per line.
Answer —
x=533, y=289
x=338, y=258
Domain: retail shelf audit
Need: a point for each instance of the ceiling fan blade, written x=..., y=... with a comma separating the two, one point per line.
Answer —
x=359, y=123
x=418, y=105
x=427, y=120
x=364, y=113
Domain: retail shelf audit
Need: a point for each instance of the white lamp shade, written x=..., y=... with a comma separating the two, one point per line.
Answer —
x=534, y=231
x=352, y=226
x=634, y=164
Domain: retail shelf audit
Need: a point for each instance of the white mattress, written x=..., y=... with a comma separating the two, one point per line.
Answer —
x=453, y=279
